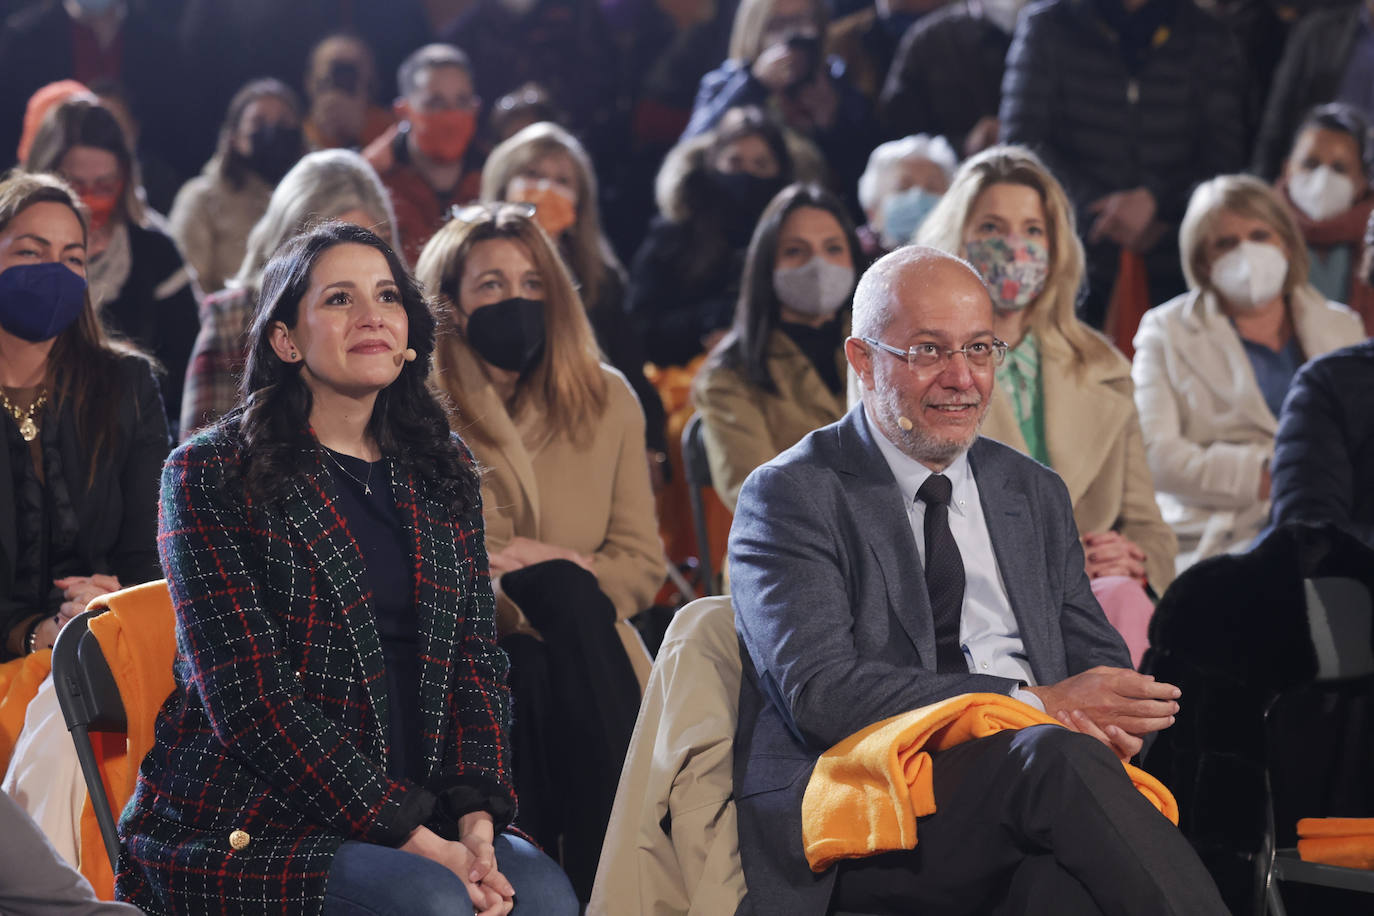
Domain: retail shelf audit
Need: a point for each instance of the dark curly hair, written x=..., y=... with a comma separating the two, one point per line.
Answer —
x=409, y=421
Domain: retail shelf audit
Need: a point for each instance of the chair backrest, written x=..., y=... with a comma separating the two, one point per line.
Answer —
x=697, y=472
x=1340, y=614
x=90, y=701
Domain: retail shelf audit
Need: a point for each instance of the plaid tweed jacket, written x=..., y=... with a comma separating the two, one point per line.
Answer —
x=272, y=750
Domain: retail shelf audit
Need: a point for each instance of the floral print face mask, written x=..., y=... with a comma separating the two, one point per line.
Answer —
x=1015, y=269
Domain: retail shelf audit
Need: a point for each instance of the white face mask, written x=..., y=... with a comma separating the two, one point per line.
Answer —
x=1322, y=192
x=816, y=288
x=1250, y=275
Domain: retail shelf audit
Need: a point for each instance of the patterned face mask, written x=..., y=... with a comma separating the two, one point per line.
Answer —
x=1015, y=269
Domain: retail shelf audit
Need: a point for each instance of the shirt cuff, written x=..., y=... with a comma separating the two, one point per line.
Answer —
x=1030, y=699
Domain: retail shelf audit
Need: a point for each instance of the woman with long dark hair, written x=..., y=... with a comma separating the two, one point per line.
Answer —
x=780, y=371
x=337, y=740
x=82, y=437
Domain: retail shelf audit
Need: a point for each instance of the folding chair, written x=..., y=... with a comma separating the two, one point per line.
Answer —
x=697, y=472
x=1339, y=615
x=90, y=701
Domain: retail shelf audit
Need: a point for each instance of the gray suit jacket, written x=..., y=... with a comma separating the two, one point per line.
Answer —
x=832, y=611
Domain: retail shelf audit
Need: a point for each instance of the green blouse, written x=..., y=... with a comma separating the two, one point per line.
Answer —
x=1019, y=377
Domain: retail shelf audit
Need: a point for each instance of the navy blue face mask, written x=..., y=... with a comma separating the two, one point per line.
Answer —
x=508, y=334
x=40, y=301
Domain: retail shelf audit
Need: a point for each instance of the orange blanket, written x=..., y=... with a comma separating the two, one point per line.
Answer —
x=19, y=680
x=137, y=636
x=1345, y=841
x=866, y=792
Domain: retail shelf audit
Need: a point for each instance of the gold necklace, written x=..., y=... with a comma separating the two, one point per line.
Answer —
x=27, y=427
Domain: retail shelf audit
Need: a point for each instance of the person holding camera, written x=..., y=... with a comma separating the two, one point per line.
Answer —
x=776, y=62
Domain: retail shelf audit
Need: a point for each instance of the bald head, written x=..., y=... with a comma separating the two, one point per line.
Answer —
x=902, y=280
x=923, y=301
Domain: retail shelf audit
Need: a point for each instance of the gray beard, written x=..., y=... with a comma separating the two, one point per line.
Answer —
x=926, y=448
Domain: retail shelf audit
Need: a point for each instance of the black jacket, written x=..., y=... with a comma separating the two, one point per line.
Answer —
x=1323, y=463
x=1102, y=125
x=1309, y=74
x=157, y=309
x=116, y=515
x=946, y=76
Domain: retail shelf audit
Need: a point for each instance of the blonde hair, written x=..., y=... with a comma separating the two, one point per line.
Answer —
x=1242, y=195
x=588, y=253
x=751, y=19
x=1051, y=316
x=322, y=186
x=568, y=382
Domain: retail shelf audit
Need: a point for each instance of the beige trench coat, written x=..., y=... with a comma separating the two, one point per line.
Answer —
x=1092, y=434
x=594, y=498
x=744, y=427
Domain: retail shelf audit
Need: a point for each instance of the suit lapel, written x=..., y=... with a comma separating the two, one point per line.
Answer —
x=877, y=504
x=1019, y=548
x=439, y=576
x=338, y=563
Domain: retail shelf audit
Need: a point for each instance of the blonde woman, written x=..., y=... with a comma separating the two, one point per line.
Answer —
x=569, y=513
x=1212, y=366
x=545, y=166
x=1064, y=393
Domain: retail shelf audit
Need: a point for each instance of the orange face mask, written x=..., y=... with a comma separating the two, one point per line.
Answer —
x=101, y=207
x=441, y=135
x=555, y=209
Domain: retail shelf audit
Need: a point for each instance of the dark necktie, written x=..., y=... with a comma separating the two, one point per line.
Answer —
x=944, y=575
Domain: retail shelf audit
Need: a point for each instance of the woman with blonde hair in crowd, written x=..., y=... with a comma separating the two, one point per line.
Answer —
x=139, y=283
x=547, y=167
x=1064, y=394
x=1213, y=365
x=83, y=439
x=323, y=186
x=569, y=513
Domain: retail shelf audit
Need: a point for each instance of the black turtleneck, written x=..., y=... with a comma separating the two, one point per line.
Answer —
x=820, y=346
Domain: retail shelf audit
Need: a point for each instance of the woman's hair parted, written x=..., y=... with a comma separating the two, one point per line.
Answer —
x=588, y=253
x=757, y=313
x=567, y=383
x=84, y=359
x=1051, y=316
x=409, y=422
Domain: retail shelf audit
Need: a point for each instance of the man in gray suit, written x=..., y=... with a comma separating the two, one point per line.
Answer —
x=894, y=559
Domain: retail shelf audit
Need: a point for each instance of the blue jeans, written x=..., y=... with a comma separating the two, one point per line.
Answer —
x=370, y=880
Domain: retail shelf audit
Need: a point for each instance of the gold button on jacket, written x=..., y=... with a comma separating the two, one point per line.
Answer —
x=238, y=839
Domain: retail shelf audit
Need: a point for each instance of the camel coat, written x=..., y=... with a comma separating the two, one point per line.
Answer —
x=1092, y=434
x=744, y=427
x=594, y=498
x=1208, y=432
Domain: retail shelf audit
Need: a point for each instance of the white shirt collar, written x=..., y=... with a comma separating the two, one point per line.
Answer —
x=910, y=473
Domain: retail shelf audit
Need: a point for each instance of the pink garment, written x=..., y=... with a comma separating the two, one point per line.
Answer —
x=1128, y=609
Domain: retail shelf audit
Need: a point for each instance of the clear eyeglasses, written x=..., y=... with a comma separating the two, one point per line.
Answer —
x=979, y=355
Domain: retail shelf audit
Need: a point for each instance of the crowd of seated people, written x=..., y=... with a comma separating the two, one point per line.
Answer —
x=437, y=288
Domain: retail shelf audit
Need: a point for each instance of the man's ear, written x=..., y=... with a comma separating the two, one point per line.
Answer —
x=282, y=345
x=860, y=360
x=401, y=108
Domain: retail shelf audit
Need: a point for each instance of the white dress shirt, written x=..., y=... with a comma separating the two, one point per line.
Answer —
x=988, y=632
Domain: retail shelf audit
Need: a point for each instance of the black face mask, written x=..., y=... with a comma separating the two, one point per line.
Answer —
x=508, y=334
x=275, y=149
x=745, y=196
